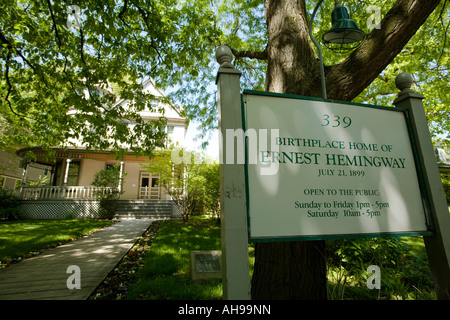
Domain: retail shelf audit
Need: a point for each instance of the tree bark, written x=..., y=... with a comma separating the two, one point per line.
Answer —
x=292, y=65
x=297, y=270
x=289, y=270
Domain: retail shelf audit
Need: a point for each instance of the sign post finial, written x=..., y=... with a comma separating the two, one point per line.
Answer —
x=224, y=56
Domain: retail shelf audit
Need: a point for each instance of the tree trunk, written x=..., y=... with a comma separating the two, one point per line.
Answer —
x=290, y=270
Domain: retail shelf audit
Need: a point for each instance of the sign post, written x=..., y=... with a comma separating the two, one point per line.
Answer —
x=235, y=264
x=437, y=245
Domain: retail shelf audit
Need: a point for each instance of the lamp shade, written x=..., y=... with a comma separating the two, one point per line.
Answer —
x=344, y=30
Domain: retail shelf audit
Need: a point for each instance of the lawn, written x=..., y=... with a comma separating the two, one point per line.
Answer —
x=166, y=271
x=158, y=267
x=24, y=238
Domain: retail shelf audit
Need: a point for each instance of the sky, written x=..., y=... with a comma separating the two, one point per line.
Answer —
x=193, y=144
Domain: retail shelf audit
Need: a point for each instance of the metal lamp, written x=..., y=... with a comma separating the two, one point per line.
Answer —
x=344, y=30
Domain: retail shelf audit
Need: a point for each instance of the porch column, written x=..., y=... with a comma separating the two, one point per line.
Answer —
x=24, y=163
x=119, y=187
x=66, y=174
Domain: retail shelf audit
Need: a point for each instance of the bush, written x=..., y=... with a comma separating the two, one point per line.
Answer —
x=9, y=205
x=107, y=208
x=355, y=255
x=405, y=273
x=446, y=184
x=109, y=177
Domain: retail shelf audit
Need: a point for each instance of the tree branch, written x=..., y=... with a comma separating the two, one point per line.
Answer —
x=260, y=55
x=124, y=10
x=54, y=24
x=349, y=78
x=8, y=82
x=145, y=15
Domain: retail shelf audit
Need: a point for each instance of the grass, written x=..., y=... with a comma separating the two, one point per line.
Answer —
x=24, y=238
x=158, y=267
x=166, y=271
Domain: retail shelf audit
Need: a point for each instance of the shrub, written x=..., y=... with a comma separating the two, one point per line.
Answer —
x=405, y=272
x=109, y=177
x=107, y=208
x=9, y=205
x=446, y=184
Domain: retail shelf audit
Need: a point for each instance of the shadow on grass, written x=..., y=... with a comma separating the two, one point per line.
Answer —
x=22, y=237
x=166, y=272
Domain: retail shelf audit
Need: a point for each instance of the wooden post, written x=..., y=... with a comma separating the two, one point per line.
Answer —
x=119, y=187
x=23, y=183
x=235, y=265
x=66, y=176
x=66, y=173
x=438, y=245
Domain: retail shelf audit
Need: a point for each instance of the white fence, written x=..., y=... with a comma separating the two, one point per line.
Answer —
x=61, y=192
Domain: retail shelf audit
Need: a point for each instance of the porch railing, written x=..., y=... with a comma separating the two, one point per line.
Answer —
x=67, y=192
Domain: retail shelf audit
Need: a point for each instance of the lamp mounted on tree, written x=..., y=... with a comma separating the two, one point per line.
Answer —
x=343, y=36
x=344, y=31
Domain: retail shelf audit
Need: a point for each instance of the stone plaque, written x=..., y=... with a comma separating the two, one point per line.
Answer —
x=206, y=265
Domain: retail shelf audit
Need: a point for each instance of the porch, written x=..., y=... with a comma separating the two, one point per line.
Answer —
x=69, y=175
x=60, y=202
x=64, y=192
x=81, y=192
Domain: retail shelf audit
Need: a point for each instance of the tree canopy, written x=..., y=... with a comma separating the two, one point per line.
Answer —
x=52, y=50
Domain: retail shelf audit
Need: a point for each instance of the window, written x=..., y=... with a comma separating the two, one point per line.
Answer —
x=74, y=171
x=144, y=182
x=169, y=133
x=9, y=183
x=154, y=103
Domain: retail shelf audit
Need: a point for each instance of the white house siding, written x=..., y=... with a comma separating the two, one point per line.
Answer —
x=88, y=170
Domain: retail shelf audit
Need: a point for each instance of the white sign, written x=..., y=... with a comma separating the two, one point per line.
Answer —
x=328, y=169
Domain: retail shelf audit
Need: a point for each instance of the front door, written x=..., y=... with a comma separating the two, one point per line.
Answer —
x=149, y=187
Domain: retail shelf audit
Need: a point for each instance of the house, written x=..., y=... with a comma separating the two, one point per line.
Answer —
x=10, y=173
x=63, y=186
x=442, y=157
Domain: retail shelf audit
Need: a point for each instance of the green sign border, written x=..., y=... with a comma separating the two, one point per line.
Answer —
x=421, y=180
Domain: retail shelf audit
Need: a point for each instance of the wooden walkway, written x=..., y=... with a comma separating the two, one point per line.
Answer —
x=44, y=277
